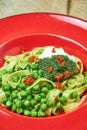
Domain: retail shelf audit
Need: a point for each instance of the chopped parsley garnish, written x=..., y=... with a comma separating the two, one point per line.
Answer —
x=57, y=68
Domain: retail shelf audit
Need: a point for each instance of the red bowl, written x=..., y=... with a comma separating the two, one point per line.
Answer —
x=25, y=32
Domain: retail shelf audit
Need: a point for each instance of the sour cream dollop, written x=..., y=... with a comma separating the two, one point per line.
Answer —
x=58, y=51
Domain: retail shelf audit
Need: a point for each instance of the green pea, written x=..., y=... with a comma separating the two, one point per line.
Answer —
x=44, y=90
x=39, y=76
x=15, y=100
x=15, y=79
x=28, y=66
x=41, y=113
x=35, y=75
x=41, y=51
x=23, y=93
x=19, y=110
x=33, y=66
x=43, y=95
x=34, y=113
x=28, y=91
x=13, y=107
x=4, y=71
x=43, y=106
x=49, y=86
x=22, y=85
x=0, y=78
x=4, y=100
x=7, y=93
x=59, y=105
x=50, y=103
x=6, y=87
x=33, y=102
x=62, y=99
x=43, y=100
x=14, y=94
x=37, y=97
x=29, y=108
x=36, y=87
x=74, y=95
x=29, y=97
x=27, y=112
x=16, y=91
x=10, y=98
x=8, y=103
x=18, y=103
x=11, y=70
x=26, y=103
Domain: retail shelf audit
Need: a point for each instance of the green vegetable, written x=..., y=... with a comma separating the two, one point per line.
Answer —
x=59, y=105
x=50, y=103
x=57, y=66
x=43, y=95
x=29, y=97
x=36, y=87
x=41, y=51
x=44, y=90
x=14, y=107
x=22, y=85
x=62, y=99
x=11, y=70
x=34, y=113
x=23, y=93
x=49, y=86
x=6, y=87
x=4, y=100
x=33, y=102
x=28, y=91
x=18, y=103
x=15, y=79
x=4, y=71
x=43, y=100
x=43, y=106
x=13, y=94
x=8, y=103
x=27, y=112
x=19, y=110
x=7, y=93
x=74, y=95
x=37, y=97
x=41, y=113
x=26, y=103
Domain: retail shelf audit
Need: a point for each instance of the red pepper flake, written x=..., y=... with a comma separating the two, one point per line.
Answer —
x=50, y=69
x=59, y=77
x=56, y=99
x=67, y=74
x=53, y=50
x=29, y=80
x=58, y=85
x=63, y=63
x=31, y=59
x=60, y=59
x=79, y=64
x=76, y=71
x=27, y=54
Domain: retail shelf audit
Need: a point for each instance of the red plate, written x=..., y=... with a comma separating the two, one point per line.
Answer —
x=24, y=32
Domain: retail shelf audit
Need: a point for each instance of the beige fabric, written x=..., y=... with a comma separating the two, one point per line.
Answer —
x=76, y=8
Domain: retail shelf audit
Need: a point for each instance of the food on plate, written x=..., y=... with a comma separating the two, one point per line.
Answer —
x=45, y=81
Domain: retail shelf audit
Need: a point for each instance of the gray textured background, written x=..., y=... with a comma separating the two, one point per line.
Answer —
x=76, y=8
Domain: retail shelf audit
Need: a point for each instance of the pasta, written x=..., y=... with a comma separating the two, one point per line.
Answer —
x=43, y=82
